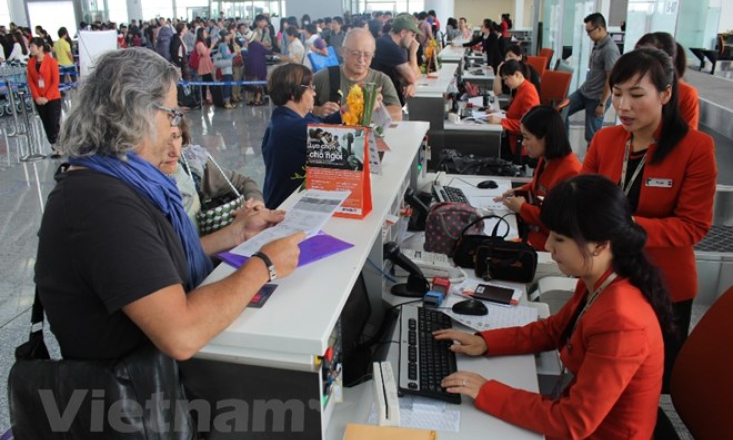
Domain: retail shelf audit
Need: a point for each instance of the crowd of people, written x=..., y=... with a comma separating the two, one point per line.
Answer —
x=624, y=221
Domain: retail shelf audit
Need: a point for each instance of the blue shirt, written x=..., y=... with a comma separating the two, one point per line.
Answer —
x=283, y=148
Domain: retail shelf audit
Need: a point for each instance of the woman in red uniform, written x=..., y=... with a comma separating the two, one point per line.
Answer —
x=514, y=74
x=667, y=171
x=544, y=138
x=687, y=98
x=43, y=81
x=609, y=333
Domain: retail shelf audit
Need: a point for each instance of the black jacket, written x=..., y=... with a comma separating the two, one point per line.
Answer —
x=489, y=46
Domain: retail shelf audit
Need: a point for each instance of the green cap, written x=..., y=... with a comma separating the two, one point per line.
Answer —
x=405, y=22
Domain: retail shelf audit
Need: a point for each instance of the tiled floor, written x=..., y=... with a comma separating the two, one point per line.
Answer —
x=232, y=136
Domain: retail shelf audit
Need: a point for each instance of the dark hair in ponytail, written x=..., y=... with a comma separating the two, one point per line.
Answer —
x=658, y=65
x=591, y=208
x=512, y=66
x=666, y=43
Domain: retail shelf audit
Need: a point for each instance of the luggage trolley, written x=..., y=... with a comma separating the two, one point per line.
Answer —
x=18, y=102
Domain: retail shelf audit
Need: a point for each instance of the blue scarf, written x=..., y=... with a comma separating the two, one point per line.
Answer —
x=162, y=192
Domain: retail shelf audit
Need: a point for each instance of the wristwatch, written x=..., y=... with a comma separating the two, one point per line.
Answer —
x=601, y=104
x=268, y=263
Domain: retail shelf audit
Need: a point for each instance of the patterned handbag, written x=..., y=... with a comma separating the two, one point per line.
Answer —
x=218, y=212
x=445, y=223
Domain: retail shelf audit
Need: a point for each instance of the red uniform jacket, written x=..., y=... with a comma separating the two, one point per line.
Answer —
x=557, y=171
x=525, y=98
x=675, y=217
x=689, y=103
x=49, y=74
x=616, y=355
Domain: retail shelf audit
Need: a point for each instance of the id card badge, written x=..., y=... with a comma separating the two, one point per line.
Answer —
x=41, y=83
x=655, y=182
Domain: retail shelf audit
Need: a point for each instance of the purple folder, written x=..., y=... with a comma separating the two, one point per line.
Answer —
x=311, y=249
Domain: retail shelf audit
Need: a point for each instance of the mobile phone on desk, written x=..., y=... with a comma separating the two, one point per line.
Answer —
x=496, y=294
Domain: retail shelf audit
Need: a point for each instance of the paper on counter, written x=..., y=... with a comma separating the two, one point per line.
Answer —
x=423, y=413
x=309, y=215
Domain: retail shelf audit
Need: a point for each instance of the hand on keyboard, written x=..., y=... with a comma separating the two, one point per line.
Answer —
x=464, y=382
x=469, y=344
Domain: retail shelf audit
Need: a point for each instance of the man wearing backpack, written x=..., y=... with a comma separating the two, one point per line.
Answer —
x=358, y=51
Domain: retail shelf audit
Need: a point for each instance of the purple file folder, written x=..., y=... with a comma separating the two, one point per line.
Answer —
x=311, y=249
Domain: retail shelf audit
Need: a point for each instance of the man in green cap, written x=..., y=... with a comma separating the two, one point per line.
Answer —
x=390, y=56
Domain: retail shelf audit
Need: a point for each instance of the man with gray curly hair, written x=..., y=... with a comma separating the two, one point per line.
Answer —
x=119, y=261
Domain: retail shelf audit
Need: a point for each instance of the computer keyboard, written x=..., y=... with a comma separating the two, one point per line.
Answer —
x=425, y=361
x=449, y=194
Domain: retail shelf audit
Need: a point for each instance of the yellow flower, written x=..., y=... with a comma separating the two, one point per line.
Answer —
x=355, y=104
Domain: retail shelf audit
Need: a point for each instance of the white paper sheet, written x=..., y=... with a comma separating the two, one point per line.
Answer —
x=423, y=413
x=309, y=214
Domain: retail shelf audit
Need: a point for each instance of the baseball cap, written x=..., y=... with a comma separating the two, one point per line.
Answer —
x=405, y=22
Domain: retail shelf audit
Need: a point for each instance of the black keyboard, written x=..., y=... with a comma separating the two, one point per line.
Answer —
x=425, y=361
x=449, y=194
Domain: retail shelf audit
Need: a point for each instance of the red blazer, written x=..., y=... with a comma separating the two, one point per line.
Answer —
x=689, y=103
x=675, y=218
x=525, y=98
x=616, y=355
x=50, y=75
x=557, y=171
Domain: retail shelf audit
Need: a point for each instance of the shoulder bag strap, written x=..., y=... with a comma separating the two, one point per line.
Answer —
x=223, y=174
x=463, y=232
x=496, y=228
x=334, y=84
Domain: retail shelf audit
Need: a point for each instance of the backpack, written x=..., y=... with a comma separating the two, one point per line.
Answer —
x=194, y=59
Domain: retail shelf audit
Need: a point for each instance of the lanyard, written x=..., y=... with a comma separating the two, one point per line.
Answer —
x=627, y=152
x=560, y=384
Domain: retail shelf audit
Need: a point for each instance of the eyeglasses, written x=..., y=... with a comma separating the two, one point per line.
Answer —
x=309, y=86
x=357, y=54
x=590, y=31
x=174, y=115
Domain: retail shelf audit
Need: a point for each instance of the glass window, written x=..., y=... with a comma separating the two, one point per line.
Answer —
x=48, y=15
x=195, y=7
x=118, y=11
x=4, y=13
x=163, y=8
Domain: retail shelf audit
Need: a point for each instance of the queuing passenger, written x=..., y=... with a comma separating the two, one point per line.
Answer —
x=118, y=260
x=337, y=36
x=594, y=94
x=358, y=51
x=451, y=29
x=205, y=68
x=199, y=179
x=295, y=46
x=514, y=74
x=667, y=171
x=608, y=333
x=20, y=50
x=391, y=59
x=466, y=32
x=515, y=52
x=255, y=67
x=544, y=138
x=62, y=49
x=284, y=143
x=687, y=96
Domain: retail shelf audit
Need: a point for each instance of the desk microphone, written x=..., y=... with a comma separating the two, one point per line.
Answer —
x=417, y=285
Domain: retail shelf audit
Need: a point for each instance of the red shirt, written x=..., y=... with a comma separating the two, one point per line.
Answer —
x=616, y=355
x=689, y=103
x=675, y=203
x=525, y=98
x=44, y=84
x=555, y=172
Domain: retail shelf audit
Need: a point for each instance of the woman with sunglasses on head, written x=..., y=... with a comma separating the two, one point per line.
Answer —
x=514, y=74
x=609, y=333
x=687, y=98
x=544, y=138
x=667, y=171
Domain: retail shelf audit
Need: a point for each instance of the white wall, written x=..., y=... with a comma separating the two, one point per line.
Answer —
x=476, y=10
x=726, y=16
x=320, y=9
x=17, y=12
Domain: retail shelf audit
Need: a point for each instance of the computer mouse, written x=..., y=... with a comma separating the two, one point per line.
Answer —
x=490, y=184
x=470, y=307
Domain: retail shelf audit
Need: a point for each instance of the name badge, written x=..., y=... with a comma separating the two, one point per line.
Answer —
x=658, y=183
x=41, y=83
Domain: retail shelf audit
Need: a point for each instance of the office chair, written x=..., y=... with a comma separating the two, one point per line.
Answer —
x=547, y=53
x=701, y=386
x=539, y=64
x=555, y=87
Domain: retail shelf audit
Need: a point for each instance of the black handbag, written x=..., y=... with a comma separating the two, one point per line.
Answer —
x=138, y=396
x=498, y=259
x=464, y=251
